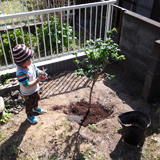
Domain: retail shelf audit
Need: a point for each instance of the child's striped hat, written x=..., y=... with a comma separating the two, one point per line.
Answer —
x=21, y=54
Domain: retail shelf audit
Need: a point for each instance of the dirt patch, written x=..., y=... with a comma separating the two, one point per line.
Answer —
x=59, y=136
x=79, y=112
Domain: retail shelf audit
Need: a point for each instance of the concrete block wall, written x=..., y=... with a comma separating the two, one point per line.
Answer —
x=151, y=88
x=140, y=43
x=138, y=35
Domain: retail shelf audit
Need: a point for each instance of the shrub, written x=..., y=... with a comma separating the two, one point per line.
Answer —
x=3, y=78
x=12, y=38
x=67, y=32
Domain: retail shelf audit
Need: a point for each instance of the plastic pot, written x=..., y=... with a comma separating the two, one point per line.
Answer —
x=134, y=125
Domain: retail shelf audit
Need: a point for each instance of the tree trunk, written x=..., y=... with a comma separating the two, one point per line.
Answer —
x=90, y=96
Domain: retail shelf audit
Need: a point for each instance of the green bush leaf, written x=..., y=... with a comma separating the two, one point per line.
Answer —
x=76, y=61
x=74, y=53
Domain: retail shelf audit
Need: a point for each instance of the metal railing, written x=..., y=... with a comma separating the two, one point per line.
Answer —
x=57, y=32
x=19, y=6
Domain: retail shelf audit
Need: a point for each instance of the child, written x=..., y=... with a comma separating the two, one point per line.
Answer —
x=28, y=76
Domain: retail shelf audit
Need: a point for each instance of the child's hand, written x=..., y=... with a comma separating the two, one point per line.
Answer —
x=43, y=76
x=43, y=73
x=46, y=74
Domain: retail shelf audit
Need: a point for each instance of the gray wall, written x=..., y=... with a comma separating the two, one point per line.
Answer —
x=138, y=36
x=139, y=43
x=151, y=88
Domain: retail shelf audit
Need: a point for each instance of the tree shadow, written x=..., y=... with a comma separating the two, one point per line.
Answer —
x=10, y=148
x=74, y=140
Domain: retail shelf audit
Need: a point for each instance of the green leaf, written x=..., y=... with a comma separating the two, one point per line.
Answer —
x=158, y=110
x=58, y=41
x=79, y=72
x=74, y=53
x=85, y=60
x=76, y=61
x=64, y=36
x=109, y=76
x=112, y=32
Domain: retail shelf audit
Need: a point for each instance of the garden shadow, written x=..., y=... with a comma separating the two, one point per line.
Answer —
x=74, y=141
x=9, y=149
x=128, y=88
x=124, y=150
x=65, y=82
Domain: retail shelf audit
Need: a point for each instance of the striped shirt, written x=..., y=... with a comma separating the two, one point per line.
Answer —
x=25, y=76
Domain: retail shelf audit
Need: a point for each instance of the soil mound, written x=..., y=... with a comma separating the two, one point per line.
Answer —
x=79, y=113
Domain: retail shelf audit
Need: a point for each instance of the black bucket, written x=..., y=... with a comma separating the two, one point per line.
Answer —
x=134, y=125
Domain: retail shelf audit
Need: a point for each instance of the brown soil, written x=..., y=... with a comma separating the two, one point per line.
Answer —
x=59, y=135
x=85, y=116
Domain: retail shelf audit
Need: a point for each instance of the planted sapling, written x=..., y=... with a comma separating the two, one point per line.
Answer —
x=99, y=54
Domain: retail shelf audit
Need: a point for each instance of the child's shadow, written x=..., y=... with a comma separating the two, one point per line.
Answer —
x=9, y=149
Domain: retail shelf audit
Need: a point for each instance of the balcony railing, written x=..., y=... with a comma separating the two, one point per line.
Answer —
x=54, y=32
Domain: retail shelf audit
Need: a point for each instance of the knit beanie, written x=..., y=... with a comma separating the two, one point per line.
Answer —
x=21, y=53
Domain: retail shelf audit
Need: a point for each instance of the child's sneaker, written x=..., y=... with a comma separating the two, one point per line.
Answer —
x=32, y=119
x=39, y=110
